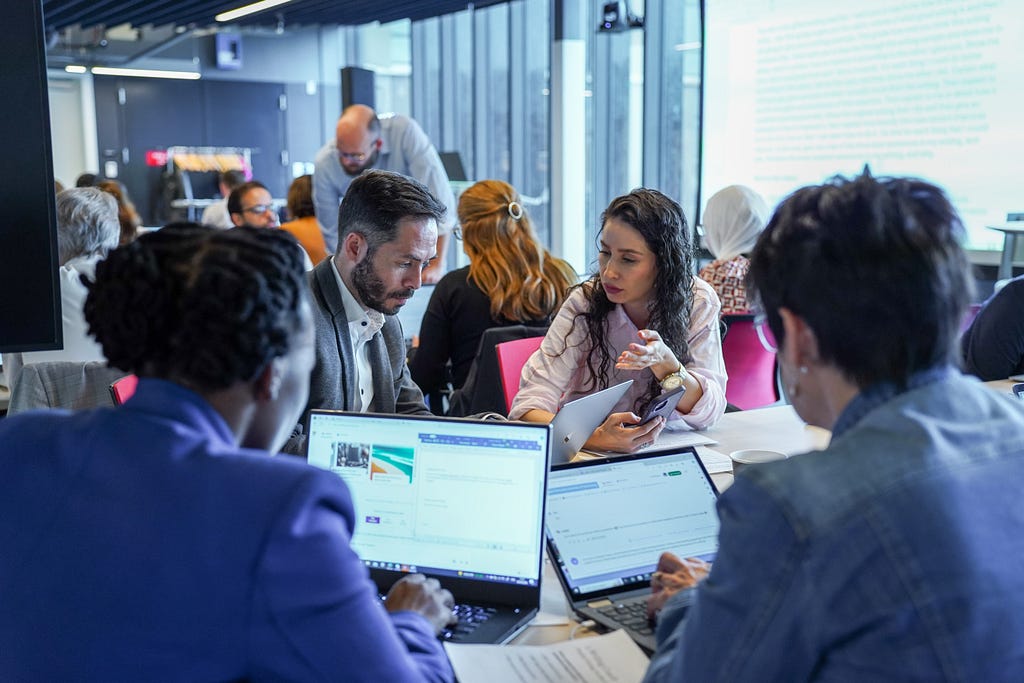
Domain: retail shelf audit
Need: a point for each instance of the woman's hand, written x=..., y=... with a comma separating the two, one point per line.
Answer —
x=621, y=434
x=671, y=576
x=651, y=352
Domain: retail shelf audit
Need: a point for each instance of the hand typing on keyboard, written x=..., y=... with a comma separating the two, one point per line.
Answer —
x=671, y=576
x=417, y=593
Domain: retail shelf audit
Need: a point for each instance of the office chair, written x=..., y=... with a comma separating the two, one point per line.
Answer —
x=479, y=393
x=512, y=356
x=751, y=367
x=122, y=389
x=72, y=385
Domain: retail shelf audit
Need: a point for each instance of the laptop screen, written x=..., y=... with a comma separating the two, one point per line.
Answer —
x=609, y=520
x=447, y=497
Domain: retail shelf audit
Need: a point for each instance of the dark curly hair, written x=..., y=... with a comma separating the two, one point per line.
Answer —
x=660, y=221
x=202, y=307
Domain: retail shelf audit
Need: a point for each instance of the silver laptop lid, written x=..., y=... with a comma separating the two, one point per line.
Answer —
x=576, y=420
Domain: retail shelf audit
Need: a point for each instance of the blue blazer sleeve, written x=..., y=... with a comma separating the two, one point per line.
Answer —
x=315, y=612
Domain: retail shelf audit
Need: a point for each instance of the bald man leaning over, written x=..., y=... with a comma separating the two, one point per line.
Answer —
x=391, y=142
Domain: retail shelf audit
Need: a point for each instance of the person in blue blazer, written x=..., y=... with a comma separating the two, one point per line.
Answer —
x=159, y=540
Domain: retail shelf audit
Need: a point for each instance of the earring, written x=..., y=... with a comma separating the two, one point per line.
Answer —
x=793, y=389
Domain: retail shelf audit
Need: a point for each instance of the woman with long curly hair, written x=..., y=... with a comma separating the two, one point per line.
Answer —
x=511, y=279
x=643, y=316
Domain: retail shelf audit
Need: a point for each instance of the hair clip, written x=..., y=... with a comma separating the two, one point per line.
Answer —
x=515, y=210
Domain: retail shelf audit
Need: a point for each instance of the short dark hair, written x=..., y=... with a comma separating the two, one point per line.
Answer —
x=377, y=200
x=235, y=198
x=202, y=307
x=232, y=178
x=876, y=269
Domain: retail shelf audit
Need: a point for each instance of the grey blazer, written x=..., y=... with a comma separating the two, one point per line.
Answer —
x=333, y=382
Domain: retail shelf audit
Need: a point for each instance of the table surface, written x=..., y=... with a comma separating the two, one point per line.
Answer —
x=1010, y=226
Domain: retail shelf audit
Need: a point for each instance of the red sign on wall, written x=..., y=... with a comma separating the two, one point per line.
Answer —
x=156, y=157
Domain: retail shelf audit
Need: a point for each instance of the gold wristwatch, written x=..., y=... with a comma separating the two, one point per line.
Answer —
x=673, y=380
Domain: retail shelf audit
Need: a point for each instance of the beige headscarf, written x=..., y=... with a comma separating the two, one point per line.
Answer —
x=733, y=219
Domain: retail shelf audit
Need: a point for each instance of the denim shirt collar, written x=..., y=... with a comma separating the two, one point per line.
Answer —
x=883, y=392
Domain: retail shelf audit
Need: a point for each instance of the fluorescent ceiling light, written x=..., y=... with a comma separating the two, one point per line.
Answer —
x=249, y=9
x=145, y=73
x=684, y=47
x=75, y=69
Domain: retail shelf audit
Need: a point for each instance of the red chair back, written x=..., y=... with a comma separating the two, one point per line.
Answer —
x=512, y=356
x=751, y=367
x=122, y=389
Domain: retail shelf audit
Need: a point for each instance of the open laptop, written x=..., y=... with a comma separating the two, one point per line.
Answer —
x=609, y=520
x=576, y=420
x=459, y=500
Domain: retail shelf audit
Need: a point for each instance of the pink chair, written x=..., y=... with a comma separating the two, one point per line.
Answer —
x=512, y=356
x=122, y=389
x=751, y=367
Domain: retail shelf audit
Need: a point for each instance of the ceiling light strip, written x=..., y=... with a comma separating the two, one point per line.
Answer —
x=246, y=10
x=145, y=73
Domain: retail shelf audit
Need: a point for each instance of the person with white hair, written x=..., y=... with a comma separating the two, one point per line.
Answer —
x=87, y=228
x=733, y=219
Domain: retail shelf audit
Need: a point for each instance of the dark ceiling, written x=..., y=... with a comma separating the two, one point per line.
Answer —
x=88, y=14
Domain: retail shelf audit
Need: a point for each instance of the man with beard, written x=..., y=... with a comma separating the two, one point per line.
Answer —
x=388, y=233
x=391, y=143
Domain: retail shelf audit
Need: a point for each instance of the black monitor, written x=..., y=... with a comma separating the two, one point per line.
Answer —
x=452, y=162
x=30, y=316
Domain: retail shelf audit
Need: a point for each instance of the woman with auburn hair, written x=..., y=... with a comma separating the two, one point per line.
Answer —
x=302, y=223
x=511, y=279
x=127, y=216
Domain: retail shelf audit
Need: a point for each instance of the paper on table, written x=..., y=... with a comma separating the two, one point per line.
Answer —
x=714, y=462
x=611, y=658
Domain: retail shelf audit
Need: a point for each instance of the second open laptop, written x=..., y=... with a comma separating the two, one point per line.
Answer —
x=609, y=520
x=459, y=500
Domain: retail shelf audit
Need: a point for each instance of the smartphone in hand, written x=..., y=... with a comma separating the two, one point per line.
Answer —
x=662, y=405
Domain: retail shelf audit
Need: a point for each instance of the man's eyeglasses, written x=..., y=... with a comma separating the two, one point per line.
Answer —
x=258, y=208
x=358, y=157
x=764, y=333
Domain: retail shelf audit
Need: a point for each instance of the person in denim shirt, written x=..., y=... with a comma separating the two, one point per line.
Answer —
x=896, y=552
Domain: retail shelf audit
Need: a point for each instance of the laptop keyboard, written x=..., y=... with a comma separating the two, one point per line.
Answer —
x=470, y=617
x=629, y=615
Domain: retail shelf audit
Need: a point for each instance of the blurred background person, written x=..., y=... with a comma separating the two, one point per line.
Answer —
x=161, y=530
x=251, y=204
x=993, y=346
x=127, y=216
x=216, y=214
x=87, y=180
x=87, y=228
x=892, y=554
x=644, y=317
x=733, y=219
x=511, y=279
x=302, y=223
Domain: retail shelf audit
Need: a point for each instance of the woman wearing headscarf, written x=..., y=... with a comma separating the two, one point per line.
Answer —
x=733, y=219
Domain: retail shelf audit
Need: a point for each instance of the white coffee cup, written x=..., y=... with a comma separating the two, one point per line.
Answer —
x=753, y=456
